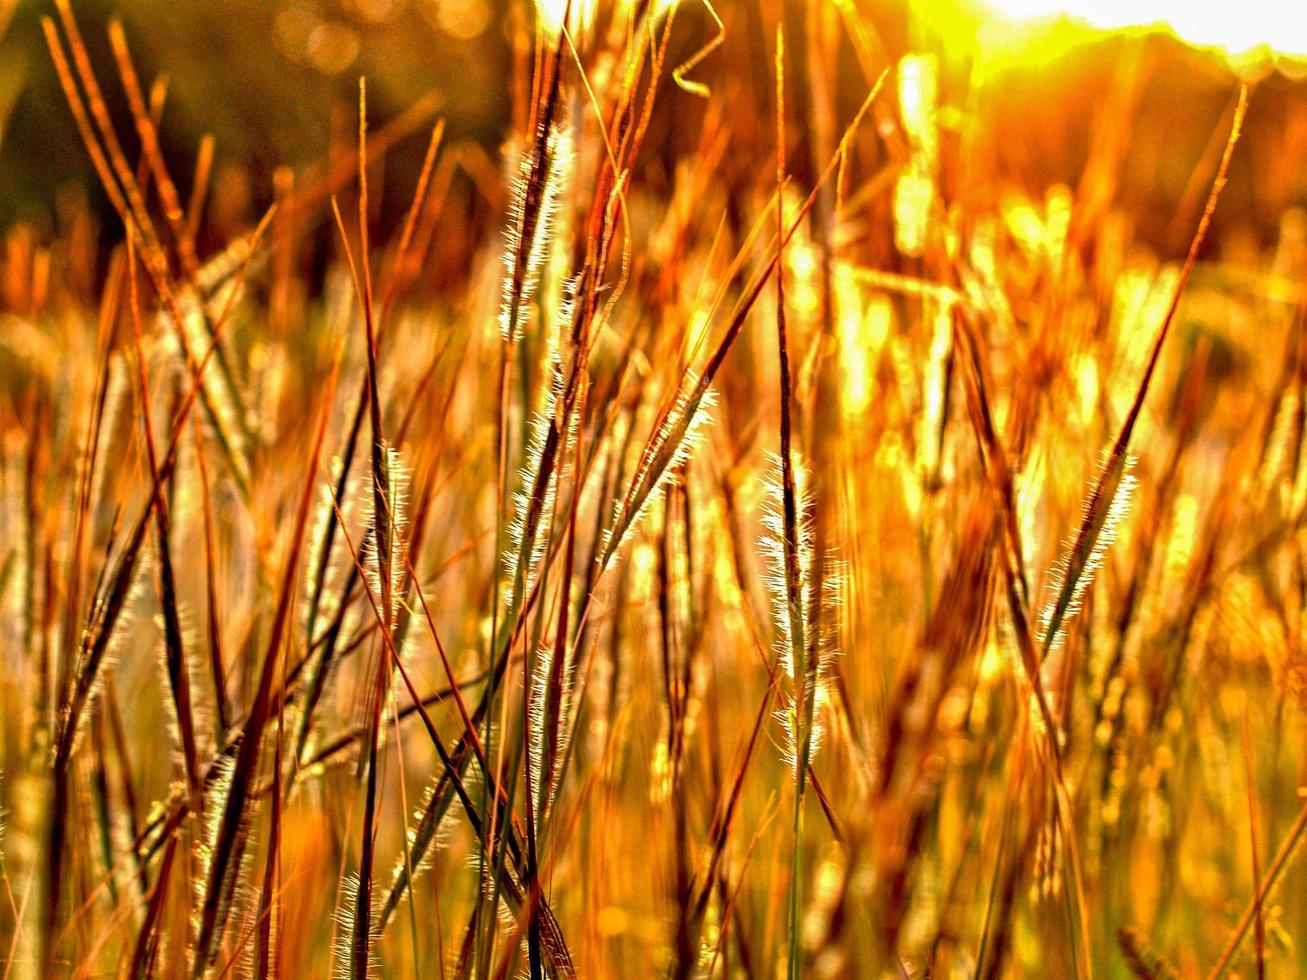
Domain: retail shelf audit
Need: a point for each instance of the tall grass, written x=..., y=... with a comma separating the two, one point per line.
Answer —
x=748, y=411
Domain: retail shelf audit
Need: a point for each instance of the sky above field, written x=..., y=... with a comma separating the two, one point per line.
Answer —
x=1237, y=27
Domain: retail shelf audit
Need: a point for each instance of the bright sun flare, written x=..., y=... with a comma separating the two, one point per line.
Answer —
x=1280, y=25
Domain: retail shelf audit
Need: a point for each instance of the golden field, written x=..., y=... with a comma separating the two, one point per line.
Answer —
x=616, y=489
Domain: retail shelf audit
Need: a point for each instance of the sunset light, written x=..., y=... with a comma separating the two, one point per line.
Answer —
x=686, y=489
x=1237, y=28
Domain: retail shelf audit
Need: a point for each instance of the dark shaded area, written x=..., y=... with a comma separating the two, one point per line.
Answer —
x=244, y=70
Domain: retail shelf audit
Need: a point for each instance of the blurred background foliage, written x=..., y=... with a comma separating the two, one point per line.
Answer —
x=275, y=83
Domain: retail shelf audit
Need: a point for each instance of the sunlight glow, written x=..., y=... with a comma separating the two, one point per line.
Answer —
x=552, y=12
x=915, y=190
x=1236, y=28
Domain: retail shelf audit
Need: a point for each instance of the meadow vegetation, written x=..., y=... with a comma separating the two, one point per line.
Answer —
x=759, y=540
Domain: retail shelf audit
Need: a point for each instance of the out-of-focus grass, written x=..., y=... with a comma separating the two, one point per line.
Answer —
x=840, y=539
